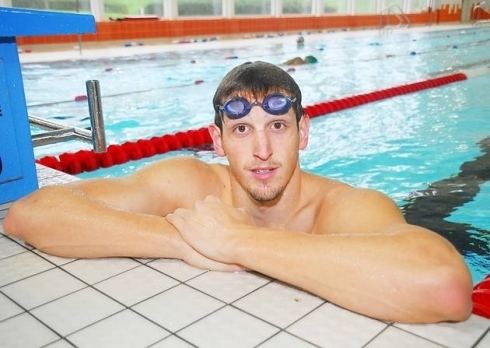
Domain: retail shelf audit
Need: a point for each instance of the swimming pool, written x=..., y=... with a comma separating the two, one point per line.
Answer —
x=416, y=148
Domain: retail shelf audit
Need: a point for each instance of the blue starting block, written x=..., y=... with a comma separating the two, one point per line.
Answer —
x=17, y=166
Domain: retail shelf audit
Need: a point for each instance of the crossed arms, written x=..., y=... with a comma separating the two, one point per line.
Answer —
x=384, y=268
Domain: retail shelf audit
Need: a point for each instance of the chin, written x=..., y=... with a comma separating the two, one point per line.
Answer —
x=266, y=194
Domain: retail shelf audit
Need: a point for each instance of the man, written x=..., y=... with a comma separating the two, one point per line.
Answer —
x=301, y=61
x=261, y=212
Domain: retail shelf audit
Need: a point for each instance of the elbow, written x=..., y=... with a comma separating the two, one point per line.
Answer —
x=454, y=293
x=22, y=216
x=450, y=296
x=12, y=224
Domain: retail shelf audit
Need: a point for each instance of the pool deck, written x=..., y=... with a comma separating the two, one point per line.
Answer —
x=48, y=301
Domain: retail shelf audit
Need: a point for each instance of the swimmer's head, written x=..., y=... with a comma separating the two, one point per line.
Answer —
x=256, y=80
x=311, y=59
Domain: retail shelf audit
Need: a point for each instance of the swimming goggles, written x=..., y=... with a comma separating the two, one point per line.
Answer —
x=274, y=104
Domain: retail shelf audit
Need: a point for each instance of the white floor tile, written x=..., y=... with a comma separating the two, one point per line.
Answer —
x=59, y=344
x=4, y=206
x=228, y=327
x=21, y=266
x=3, y=213
x=393, y=337
x=228, y=286
x=278, y=304
x=8, y=308
x=25, y=331
x=145, y=261
x=485, y=342
x=463, y=334
x=42, y=288
x=124, y=329
x=176, y=269
x=9, y=248
x=54, y=259
x=177, y=307
x=172, y=342
x=95, y=270
x=22, y=243
x=136, y=285
x=332, y=326
x=76, y=310
x=284, y=339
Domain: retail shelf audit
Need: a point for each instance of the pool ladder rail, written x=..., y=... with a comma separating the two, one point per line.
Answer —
x=58, y=132
x=393, y=10
x=478, y=8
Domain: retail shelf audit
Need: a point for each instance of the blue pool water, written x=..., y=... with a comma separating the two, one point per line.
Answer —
x=403, y=146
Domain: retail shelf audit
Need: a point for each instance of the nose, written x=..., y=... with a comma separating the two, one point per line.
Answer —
x=262, y=146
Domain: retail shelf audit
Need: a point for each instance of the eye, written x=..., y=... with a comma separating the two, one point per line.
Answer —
x=241, y=129
x=278, y=125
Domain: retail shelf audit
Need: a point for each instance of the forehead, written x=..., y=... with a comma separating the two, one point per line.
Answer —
x=256, y=95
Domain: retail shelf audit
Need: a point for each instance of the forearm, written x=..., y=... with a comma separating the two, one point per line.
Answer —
x=387, y=276
x=79, y=227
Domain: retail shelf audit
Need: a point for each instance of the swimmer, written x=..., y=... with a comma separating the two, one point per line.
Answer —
x=300, y=61
x=261, y=212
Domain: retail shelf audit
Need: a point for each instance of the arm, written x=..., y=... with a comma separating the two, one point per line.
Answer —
x=398, y=272
x=112, y=217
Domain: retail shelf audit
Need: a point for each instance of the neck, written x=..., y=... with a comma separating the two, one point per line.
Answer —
x=274, y=213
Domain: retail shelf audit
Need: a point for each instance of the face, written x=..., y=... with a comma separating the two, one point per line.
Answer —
x=262, y=150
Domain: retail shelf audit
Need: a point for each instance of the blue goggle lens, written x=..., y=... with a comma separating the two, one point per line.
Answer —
x=274, y=104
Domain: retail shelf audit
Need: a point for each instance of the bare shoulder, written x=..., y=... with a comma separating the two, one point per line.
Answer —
x=158, y=188
x=184, y=179
x=346, y=209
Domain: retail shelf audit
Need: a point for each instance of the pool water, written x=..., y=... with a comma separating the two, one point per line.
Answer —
x=408, y=147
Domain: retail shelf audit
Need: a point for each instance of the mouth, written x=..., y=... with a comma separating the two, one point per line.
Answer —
x=263, y=173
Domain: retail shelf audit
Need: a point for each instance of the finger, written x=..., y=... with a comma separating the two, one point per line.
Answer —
x=211, y=199
x=198, y=204
x=182, y=212
x=176, y=220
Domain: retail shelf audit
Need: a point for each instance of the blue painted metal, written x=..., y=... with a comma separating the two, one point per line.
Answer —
x=17, y=165
x=21, y=22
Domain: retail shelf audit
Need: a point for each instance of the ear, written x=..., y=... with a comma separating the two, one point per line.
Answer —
x=304, y=130
x=215, y=133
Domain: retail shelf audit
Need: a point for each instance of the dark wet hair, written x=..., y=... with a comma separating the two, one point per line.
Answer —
x=256, y=79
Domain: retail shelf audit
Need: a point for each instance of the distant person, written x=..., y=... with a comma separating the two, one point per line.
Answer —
x=300, y=41
x=261, y=212
x=301, y=61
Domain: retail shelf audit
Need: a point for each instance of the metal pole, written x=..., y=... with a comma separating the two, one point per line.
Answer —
x=96, y=116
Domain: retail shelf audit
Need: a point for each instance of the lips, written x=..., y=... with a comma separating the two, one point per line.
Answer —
x=263, y=173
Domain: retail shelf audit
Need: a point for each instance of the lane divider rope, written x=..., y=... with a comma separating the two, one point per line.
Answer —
x=88, y=160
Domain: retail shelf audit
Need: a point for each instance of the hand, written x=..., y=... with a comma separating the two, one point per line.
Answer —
x=211, y=227
x=193, y=258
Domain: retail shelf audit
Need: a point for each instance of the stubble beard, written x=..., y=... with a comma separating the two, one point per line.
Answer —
x=265, y=192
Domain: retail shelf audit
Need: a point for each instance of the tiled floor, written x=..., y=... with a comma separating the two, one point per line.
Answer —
x=48, y=301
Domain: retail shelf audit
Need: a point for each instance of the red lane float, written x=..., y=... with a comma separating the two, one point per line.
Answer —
x=481, y=298
x=88, y=160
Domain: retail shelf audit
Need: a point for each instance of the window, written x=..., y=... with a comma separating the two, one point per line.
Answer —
x=334, y=6
x=55, y=5
x=253, y=7
x=418, y=6
x=122, y=8
x=199, y=8
x=296, y=6
x=395, y=5
x=365, y=7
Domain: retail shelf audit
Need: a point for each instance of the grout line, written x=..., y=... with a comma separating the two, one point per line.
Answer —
x=60, y=340
x=487, y=332
x=375, y=336
x=29, y=313
x=425, y=338
x=172, y=334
